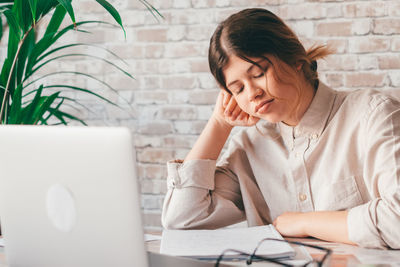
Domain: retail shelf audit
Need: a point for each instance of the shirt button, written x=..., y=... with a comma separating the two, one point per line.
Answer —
x=302, y=197
x=297, y=155
x=314, y=136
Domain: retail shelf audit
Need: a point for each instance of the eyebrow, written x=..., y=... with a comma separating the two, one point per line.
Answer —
x=249, y=69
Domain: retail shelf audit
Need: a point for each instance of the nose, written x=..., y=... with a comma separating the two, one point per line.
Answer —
x=255, y=92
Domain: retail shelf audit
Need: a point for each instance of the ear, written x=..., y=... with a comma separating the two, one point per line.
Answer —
x=299, y=66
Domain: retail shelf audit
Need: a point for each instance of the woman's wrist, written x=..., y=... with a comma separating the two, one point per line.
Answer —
x=220, y=123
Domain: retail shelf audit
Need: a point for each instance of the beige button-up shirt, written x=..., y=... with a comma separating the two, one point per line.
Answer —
x=343, y=155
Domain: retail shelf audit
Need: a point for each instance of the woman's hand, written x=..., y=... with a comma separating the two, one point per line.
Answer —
x=227, y=111
x=325, y=225
x=291, y=224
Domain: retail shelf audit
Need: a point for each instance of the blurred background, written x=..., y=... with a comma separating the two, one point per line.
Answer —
x=172, y=94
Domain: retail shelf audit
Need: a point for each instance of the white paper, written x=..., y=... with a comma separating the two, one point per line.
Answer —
x=211, y=243
x=149, y=237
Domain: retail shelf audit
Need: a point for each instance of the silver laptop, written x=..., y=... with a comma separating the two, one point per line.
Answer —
x=69, y=197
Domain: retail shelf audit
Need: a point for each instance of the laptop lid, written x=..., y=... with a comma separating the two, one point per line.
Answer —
x=69, y=197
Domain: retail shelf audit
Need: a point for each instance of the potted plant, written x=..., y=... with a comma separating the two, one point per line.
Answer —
x=23, y=99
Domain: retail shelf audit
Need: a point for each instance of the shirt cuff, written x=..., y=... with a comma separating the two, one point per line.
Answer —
x=192, y=173
x=361, y=227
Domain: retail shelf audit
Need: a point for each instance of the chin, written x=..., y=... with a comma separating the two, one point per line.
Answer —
x=272, y=119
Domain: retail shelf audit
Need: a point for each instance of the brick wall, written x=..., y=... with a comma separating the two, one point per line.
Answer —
x=173, y=94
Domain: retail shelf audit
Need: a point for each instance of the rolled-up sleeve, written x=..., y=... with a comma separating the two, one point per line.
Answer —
x=201, y=195
x=376, y=224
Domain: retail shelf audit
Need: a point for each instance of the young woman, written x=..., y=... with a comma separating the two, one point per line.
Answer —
x=312, y=161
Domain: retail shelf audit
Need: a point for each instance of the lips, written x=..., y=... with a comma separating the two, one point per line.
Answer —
x=262, y=104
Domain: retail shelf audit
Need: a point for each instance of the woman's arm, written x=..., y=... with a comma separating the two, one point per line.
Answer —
x=325, y=225
x=201, y=195
x=226, y=115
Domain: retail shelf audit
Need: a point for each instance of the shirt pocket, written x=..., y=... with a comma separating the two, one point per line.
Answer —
x=340, y=195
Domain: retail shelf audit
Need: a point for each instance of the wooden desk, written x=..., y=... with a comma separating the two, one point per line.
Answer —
x=343, y=255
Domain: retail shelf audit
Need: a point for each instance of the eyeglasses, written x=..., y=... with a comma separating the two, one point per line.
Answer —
x=253, y=256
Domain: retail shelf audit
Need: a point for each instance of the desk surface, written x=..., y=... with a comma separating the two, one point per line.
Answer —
x=343, y=255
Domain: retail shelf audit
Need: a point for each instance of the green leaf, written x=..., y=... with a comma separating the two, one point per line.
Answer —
x=113, y=13
x=82, y=90
x=60, y=114
x=152, y=9
x=26, y=47
x=44, y=6
x=81, y=44
x=1, y=27
x=83, y=55
x=48, y=40
x=12, y=22
x=44, y=106
x=67, y=5
x=30, y=110
x=16, y=108
x=55, y=22
x=33, y=5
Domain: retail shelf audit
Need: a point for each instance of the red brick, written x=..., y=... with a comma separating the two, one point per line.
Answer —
x=155, y=128
x=199, y=32
x=191, y=16
x=199, y=65
x=178, y=82
x=338, y=62
x=179, y=141
x=386, y=26
x=361, y=26
x=152, y=35
x=366, y=9
x=203, y=97
x=203, y=3
x=185, y=49
x=393, y=8
x=145, y=140
x=339, y=46
x=153, y=186
x=366, y=79
x=396, y=44
x=394, y=78
x=389, y=62
x=178, y=113
x=154, y=51
x=366, y=62
x=155, y=155
x=368, y=44
x=302, y=11
x=342, y=28
x=185, y=127
x=152, y=171
x=334, y=80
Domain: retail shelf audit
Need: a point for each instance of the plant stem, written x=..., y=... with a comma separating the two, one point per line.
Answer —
x=6, y=91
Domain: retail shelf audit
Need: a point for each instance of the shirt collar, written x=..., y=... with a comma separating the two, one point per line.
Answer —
x=315, y=118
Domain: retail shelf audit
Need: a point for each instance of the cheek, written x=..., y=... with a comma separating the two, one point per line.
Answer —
x=243, y=103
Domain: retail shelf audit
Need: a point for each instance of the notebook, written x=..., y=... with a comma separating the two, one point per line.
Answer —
x=209, y=244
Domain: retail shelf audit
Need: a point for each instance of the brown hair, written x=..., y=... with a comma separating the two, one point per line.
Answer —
x=256, y=33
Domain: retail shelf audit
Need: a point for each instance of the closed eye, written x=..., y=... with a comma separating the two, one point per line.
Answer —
x=239, y=90
x=259, y=75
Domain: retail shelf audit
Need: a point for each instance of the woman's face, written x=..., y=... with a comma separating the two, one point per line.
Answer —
x=249, y=83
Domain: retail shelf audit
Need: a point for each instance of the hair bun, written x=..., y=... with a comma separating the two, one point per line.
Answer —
x=314, y=65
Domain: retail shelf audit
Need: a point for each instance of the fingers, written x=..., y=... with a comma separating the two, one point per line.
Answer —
x=232, y=109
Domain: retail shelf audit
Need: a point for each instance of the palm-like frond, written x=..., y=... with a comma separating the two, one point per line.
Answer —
x=21, y=102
